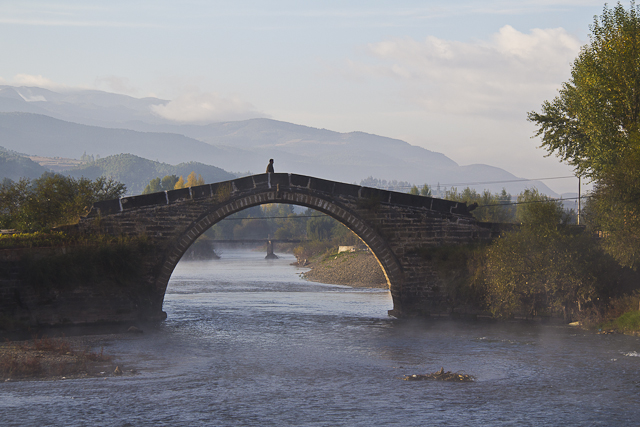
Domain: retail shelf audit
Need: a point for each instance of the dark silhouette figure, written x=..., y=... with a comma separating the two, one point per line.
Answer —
x=270, y=166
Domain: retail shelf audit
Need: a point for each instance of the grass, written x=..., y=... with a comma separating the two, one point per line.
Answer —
x=620, y=314
x=627, y=322
x=46, y=357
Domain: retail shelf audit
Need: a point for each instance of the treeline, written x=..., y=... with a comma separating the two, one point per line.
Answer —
x=173, y=182
x=52, y=200
x=487, y=206
x=542, y=267
x=136, y=172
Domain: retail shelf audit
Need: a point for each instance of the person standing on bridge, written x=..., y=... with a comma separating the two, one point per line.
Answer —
x=270, y=166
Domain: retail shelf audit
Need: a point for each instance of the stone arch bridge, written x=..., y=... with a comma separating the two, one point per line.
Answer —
x=393, y=225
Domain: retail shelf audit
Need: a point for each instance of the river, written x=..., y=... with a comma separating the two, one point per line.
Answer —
x=248, y=342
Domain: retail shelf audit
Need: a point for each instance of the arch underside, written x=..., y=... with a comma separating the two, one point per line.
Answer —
x=213, y=214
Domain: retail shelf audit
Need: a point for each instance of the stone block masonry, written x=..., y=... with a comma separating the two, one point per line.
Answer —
x=395, y=226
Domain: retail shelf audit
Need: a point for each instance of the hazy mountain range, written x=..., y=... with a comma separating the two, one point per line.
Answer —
x=136, y=172
x=42, y=122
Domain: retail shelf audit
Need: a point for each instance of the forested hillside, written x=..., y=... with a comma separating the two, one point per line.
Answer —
x=14, y=166
x=136, y=172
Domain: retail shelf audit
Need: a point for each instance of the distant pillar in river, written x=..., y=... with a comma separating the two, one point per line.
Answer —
x=270, y=254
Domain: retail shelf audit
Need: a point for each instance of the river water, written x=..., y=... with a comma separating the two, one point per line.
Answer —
x=248, y=342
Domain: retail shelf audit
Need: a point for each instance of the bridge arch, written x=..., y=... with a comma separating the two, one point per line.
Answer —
x=372, y=239
x=395, y=226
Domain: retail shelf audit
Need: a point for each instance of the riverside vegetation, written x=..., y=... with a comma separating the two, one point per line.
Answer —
x=546, y=267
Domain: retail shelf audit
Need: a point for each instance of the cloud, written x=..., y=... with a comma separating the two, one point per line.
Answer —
x=117, y=84
x=195, y=106
x=35, y=81
x=506, y=74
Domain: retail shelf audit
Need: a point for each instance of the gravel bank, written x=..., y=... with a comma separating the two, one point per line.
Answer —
x=357, y=269
x=57, y=358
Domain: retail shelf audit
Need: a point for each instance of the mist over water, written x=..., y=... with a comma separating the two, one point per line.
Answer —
x=248, y=342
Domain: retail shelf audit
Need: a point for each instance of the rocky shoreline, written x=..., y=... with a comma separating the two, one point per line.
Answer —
x=357, y=269
x=57, y=358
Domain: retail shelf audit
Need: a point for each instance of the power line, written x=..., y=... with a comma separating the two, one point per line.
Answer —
x=511, y=180
x=533, y=201
x=484, y=182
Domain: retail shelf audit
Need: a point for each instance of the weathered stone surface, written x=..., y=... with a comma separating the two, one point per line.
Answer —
x=393, y=225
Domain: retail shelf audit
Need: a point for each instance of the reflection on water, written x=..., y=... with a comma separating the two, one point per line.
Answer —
x=247, y=342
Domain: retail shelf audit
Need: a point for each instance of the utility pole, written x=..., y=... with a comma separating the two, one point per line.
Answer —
x=579, y=200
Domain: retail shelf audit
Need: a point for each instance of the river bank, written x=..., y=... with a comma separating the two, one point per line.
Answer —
x=361, y=270
x=57, y=358
x=357, y=269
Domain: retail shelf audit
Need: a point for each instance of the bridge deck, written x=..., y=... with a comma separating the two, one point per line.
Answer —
x=278, y=182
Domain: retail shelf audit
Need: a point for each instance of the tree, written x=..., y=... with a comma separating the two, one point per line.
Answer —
x=192, y=181
x=594, y=121
x=537, y=210
x=541, y=268
x=594, y=125
x=613, y=211
x=168, y=182
x=52, y=200
x=491, y=207
x=320, y=228
x=179, y=183
x=154, y=186
x=425, y=190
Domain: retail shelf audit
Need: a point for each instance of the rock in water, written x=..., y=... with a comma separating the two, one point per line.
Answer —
x=441, y=375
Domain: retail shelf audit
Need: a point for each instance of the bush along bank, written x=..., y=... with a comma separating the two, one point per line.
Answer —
x=510, y=279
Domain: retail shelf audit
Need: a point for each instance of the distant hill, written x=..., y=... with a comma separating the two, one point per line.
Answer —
x=136, y=172
x=45, y=136
x=15, y=166
x=128, y=125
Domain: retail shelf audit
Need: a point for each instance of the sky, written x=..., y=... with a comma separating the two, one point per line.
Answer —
x=456, y=77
